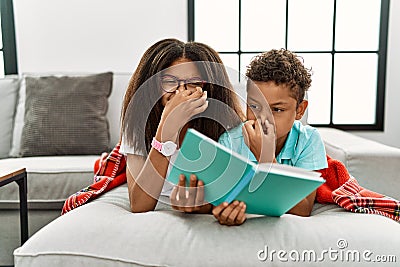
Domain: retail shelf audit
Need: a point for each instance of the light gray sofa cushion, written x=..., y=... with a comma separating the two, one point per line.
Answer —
x=66, y=115
x=120, y=83
x=8, y=96
x=50, y=180
x=105, y=233
x=18, y=120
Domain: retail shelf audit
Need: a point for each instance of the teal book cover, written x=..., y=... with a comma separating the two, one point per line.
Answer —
x=267, y=189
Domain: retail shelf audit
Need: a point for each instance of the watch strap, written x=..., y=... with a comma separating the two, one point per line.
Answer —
x=156, y=144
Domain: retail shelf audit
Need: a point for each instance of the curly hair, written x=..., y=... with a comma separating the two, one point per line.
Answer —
x=282, y=67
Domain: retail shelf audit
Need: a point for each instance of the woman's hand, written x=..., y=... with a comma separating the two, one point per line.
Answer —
x=260, y=139
x=230, y=214
x=178, y=110
x=189, y=199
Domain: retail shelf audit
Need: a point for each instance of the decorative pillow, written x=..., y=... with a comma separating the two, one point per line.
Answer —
x=8, y=97
x=66, y=115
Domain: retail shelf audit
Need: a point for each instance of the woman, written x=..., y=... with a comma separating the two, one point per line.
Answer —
x=175, y=86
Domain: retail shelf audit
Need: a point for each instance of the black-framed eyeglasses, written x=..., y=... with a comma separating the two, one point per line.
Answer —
x=170, y=83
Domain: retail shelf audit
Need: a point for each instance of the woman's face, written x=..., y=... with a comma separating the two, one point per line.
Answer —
x=181, y=69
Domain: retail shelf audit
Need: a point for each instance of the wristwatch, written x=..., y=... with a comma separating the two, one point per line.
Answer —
x=167, y=148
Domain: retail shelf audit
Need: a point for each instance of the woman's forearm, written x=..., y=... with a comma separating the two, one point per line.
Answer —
x=146, y=180
x=145, y=185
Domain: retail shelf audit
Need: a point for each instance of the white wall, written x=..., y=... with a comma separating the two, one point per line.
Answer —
x=93, y=35
x=102, y=35
x=391, y=133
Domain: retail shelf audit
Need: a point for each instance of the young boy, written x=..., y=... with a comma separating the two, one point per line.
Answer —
x=277, y=82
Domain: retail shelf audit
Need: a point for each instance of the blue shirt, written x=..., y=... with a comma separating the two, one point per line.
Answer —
x=303, y=148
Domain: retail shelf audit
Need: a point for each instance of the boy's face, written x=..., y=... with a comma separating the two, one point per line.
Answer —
x=283, y=107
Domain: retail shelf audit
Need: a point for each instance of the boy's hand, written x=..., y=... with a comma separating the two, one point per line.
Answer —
x=260, y=139
x=230, y=214
x=189, y=199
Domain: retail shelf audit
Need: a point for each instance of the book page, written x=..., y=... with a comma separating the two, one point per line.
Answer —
x=289, y=171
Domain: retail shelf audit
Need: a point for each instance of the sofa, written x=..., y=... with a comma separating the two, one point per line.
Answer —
x=51, y=179
x=105, y=233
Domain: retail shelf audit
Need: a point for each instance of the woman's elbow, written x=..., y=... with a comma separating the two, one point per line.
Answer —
x=141, y=206
x=138, y=209
x=135, y=209
x=301, y=210
x=304, y=213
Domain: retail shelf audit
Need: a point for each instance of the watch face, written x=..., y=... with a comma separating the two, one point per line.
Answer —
x=168, y=148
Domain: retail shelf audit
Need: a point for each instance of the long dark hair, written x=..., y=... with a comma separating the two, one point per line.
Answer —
x=142, y=109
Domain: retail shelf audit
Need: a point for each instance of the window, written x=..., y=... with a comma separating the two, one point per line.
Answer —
x=343, y=41
x=8, y=57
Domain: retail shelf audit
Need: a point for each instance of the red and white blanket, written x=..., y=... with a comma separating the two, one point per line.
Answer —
x=343, y=189
x=340, y=187
x=109, y=172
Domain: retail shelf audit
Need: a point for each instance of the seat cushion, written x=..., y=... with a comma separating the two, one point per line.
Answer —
x=105, y=233
x=50, y=180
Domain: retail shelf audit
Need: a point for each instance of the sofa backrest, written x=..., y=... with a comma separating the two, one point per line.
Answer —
x=8, y=96
x=120, y=83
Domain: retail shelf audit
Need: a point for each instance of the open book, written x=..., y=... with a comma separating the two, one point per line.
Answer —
x=269, y=188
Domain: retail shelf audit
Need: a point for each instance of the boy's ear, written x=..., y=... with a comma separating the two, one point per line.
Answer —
x=301, y=109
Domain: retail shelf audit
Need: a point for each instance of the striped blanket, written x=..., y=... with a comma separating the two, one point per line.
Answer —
x=340, y=187
x=109, y=172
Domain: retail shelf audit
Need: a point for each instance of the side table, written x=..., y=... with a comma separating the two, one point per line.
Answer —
x=20, y=177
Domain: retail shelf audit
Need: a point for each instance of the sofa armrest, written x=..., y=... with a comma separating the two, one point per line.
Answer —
x=374, y=165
